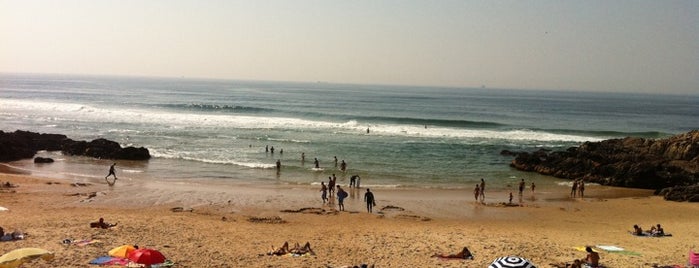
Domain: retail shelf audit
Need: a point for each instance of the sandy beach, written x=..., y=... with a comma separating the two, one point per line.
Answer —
x=234, y=226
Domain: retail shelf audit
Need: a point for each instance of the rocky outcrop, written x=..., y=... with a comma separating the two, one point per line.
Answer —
x=628, y=162
x=23, y=144
x=681, y=193
x=43, y=160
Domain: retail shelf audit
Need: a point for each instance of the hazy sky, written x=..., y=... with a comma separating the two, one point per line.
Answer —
x=642, y=46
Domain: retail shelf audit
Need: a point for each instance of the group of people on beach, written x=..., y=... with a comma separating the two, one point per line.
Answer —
x=656, y=230
x=342, y=194
x=296, y=250
x=479, y=191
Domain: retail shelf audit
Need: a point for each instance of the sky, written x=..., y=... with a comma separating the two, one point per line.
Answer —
x=617, y=46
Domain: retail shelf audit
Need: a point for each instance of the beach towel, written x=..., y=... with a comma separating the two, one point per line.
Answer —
x=609, y=248
x=118, y=261
x=85, y=242
x=101, y=260
x=167, y=263
x=583, y=249
x=617, y=250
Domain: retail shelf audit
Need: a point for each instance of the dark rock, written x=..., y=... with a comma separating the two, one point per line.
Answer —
x=681, y=193
x=629, y=162
x=133, y=153
x=43, y=160
x=23, y=144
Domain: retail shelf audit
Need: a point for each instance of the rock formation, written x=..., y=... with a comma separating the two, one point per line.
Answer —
x=24, y=144
x=628, y=162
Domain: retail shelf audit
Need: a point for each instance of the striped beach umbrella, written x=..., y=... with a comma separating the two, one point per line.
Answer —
x=511, y=262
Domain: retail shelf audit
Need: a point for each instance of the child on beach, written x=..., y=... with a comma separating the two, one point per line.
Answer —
x=510, y=202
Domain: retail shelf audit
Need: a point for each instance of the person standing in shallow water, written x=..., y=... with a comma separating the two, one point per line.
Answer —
x=112, y=172
x=482, y=190
x=369, y=199
x=477, y=192
x=331, y=186
x=343, y=166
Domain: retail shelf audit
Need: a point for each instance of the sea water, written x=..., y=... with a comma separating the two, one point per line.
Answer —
x=391, y=136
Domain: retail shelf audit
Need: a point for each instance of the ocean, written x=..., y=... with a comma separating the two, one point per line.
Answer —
x=391, y=136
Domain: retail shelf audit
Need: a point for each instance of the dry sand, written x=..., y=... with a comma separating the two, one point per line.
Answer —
x=218, y=232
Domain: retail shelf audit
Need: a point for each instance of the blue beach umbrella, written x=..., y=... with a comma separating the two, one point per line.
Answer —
x=511, y=262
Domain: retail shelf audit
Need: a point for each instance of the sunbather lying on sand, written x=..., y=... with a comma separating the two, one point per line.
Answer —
x=637, y=230
x=16, y=235
x=298, y=250
x=102, y=224
x=464, y=254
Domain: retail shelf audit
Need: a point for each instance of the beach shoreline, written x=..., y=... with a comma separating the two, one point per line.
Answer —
x=408, y=226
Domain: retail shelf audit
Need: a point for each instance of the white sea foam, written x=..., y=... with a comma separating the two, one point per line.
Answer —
x=182, y=156
x=175, y=120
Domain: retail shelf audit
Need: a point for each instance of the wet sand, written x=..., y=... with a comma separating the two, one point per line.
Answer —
x=224, y=225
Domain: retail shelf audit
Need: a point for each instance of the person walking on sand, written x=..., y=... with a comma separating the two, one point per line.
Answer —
x=323, y=192
x=533, y=187
x=581, y=188
x=369, y=199
x=341, y=195
x=482, y=190
x=521, y=187
x=112, y=172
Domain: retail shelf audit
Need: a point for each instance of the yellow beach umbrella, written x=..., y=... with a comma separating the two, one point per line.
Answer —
x=121, y=251
x=17, y=257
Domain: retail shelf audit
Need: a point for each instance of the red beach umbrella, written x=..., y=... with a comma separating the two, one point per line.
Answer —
x=146, y=256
